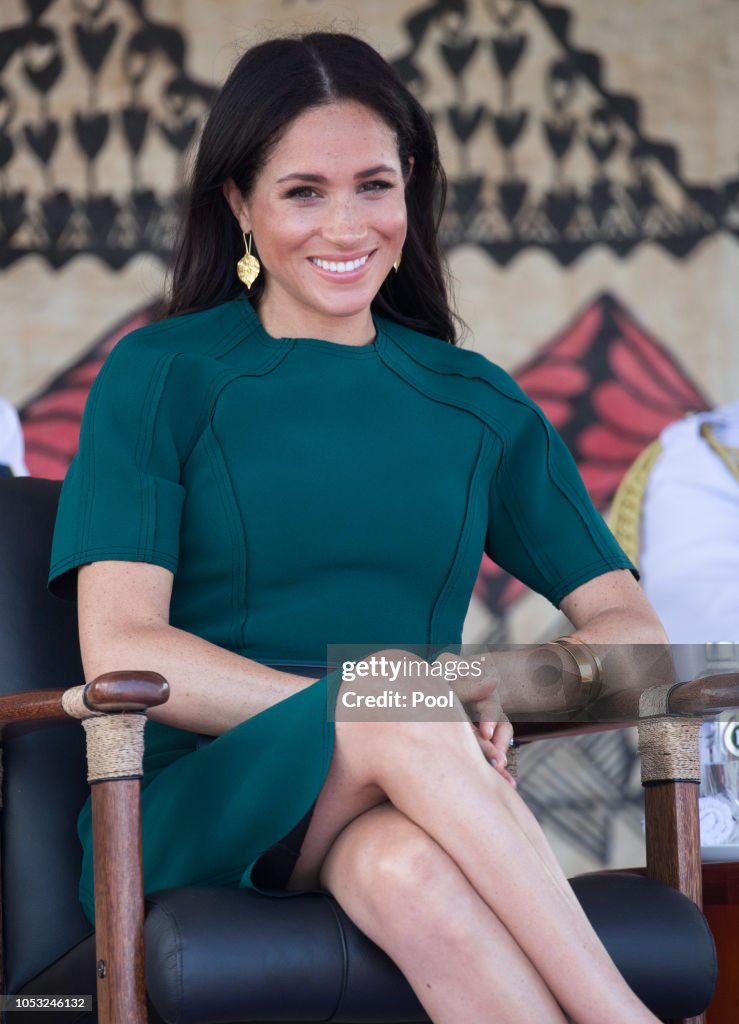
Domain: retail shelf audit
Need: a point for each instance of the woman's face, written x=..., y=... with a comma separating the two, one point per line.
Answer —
x=328, y=217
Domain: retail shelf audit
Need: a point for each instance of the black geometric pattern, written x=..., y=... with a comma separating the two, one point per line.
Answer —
x=105, y=42
x=506, y=86
x=628, y=189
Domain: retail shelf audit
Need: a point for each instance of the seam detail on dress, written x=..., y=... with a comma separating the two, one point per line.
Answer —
x=454, y=568
x=499, y=430
x=227, y=378
x=586, y=572
x=141, y=555
x=331, y=349
x=144, y=446
x=230, y=506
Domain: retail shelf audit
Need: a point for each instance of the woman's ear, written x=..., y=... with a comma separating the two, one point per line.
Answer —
x=411, y=165
x=237, y=203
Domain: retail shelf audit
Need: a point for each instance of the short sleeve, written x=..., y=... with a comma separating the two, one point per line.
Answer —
x=122, y=497
x=542, y=527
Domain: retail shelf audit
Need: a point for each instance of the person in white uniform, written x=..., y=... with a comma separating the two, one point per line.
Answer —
x=690, y=528
x=12, y=460
x=689, y=561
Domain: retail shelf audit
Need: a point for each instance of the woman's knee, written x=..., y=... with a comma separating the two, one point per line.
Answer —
x=383, y=859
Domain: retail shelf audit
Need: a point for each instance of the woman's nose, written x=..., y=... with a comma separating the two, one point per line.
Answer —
x=345, y=221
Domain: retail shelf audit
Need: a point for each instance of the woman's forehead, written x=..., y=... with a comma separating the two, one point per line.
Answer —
x=342, y=134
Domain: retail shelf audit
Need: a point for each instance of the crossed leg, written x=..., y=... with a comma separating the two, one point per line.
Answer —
x=462, y=963
x=434, y=777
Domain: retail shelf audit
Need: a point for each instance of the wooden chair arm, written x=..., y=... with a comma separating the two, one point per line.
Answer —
x=34, y=705
x=126, y=691
x=114, y=691
x=111, y=708
x=695, y=698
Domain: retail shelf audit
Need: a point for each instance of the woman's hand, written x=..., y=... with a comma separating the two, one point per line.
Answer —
x=479, y=696
x=495, y=740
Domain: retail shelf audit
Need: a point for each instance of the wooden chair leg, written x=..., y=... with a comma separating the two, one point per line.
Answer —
x=673, y=855
x=673, y=850
x=671, y=775
x=119, y=902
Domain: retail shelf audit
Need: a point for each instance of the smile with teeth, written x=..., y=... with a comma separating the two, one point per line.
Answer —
x=340, y=266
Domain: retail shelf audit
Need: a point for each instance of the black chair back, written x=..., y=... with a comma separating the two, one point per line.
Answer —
x=41, y=854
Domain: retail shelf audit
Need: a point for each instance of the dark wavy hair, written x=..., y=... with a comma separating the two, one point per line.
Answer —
x=271, y=85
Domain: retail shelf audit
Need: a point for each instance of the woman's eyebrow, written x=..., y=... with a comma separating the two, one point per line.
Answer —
x=319, y=179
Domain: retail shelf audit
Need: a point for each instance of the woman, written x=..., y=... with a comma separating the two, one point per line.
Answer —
x=306, y=460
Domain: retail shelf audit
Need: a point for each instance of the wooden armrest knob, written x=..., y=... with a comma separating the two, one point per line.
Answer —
x=711, y=695
x=126, y=691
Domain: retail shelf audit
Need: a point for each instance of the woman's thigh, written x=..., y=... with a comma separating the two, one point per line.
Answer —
x=350, y=788
x=343, y=798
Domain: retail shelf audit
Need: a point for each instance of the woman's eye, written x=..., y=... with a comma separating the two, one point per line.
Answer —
x=301, y=192
x=376, y=186
x=309, y=192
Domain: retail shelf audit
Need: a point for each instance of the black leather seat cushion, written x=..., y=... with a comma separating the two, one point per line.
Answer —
x=218, y=956
x=223, y=955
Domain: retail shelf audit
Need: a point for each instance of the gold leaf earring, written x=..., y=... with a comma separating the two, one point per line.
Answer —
x=396, y=265
x=248, y=266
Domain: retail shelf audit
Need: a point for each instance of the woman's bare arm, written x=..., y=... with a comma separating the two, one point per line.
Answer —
x=612, y=616
x=613, y=609
x=123, y=610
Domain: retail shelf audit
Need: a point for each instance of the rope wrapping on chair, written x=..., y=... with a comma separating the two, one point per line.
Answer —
x=73, y=702
x=115, y=746
x=668, y=744
x=115, y=742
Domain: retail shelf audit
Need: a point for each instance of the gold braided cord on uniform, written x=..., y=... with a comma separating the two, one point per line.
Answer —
x=626, y=511
x=729, y=456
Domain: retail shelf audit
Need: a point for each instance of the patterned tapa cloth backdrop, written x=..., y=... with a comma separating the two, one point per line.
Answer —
x=66, y=208
x=542, y=154
x=100, y=101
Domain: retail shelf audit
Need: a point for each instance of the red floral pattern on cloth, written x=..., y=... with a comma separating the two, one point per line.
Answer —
x=609, y=387
x=51, y=421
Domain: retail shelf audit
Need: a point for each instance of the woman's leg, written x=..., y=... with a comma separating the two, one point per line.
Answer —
x=435, y=774
x=410, y=898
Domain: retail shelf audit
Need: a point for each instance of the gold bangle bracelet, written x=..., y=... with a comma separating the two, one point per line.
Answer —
x=588, y=664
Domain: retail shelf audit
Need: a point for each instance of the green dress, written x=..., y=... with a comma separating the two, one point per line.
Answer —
x=304, y=493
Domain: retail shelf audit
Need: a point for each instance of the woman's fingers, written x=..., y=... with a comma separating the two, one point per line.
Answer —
x=502, y=736
x=495, y=755
x=486, y=729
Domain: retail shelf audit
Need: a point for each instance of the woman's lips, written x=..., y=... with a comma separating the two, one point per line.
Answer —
x=342, y=270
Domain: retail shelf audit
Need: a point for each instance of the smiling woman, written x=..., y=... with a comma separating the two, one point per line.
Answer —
x=282, y=92
x=327, y=236
x=311, y=460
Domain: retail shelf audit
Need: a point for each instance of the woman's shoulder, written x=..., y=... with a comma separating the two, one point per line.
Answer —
x=205, y=333
x=463, y=370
